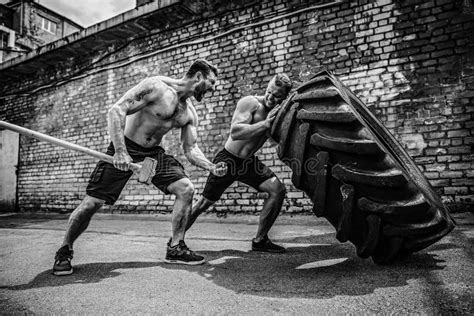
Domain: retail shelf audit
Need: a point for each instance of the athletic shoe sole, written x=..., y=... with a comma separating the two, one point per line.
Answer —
x=189, y=263
x=59, y=273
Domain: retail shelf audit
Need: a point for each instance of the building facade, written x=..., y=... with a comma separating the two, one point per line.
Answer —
x=26, y=25
x=410, y=61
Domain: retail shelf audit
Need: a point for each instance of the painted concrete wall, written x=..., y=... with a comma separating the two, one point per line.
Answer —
x=9, y=142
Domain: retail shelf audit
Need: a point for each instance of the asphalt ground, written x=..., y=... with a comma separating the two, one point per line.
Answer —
x=119, y=269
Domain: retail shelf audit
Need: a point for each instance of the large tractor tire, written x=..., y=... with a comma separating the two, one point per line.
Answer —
x=356, y=173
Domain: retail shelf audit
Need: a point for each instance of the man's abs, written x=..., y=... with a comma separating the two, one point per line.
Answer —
x=244, y=148
x=146, y=129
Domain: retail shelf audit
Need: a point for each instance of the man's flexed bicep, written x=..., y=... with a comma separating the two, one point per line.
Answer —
x=242, y=126
x=192, y=151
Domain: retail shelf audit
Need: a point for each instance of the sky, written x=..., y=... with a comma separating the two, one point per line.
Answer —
x=89, y=12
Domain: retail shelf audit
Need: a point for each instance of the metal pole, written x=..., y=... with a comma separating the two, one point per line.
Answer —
x=62, y=143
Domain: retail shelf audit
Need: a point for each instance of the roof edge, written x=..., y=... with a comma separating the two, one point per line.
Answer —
x=58, y=14
x=91, y=30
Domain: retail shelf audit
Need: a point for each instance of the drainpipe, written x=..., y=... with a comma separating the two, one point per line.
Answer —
x=21, y=17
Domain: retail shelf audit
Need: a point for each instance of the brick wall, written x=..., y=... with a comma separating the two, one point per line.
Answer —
x=410, y=61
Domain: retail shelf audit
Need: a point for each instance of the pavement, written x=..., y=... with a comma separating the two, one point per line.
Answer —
x=119, y=269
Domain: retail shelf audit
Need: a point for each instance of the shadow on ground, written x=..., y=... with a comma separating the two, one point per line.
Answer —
x=83, y=274
x=318, y=268
x=25, y=220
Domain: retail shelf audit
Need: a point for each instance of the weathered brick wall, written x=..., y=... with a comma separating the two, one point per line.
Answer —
x=410, y=61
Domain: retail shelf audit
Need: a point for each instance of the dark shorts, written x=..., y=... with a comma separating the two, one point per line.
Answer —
x=106, y=182
x=250, y=171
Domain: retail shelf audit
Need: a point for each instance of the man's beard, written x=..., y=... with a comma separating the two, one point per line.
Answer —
x=269, y=104
x=199, y=92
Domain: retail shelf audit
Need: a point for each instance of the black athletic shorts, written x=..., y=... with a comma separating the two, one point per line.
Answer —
x=106, y=182
x=250, y=171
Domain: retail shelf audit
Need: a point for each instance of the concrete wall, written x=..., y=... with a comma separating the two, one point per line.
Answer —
x=410, y=61
x=67, y=28
x=26, y=21
x=8, y=167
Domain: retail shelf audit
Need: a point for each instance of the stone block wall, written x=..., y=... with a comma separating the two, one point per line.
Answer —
x=410, y=61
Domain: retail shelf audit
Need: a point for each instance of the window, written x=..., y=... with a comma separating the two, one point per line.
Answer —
x=47, y=25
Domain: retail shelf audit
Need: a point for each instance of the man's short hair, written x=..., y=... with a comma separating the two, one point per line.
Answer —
x=282, y=80
x=203, y=66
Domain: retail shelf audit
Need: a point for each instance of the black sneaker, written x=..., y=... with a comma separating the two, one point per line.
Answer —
x=181, y=254
x=62, y=261
x=267, y=246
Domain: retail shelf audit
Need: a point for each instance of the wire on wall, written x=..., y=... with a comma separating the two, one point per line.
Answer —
x=132, y=59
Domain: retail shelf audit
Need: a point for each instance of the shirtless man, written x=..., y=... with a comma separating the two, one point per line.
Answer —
x=249, y=130
x=136, y=125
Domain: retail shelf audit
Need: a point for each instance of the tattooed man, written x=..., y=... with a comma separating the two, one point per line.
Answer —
x=136, y=125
